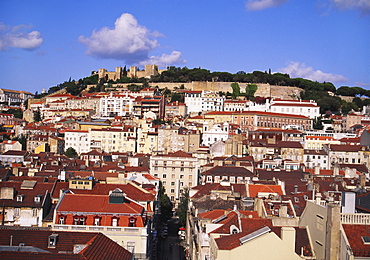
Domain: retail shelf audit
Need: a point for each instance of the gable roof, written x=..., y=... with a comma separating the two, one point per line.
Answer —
x=98, y=246
x=83, y=203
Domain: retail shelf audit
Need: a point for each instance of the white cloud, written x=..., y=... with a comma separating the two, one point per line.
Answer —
x=17, y=37
x=256, y=5
x=165, y=60
x=361, y=5
x=128, y=40
x=300, y=70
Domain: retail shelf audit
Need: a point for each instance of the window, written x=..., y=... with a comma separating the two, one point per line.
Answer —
x=17, y=212
x=181, y=176
x=19, y=198
x=114, y=222
x=79, y=220
x=172, y=183
x=130, y=246
x=97, y=221
x=132, y=222
x=62, y=220
x=34, y=212
x=164, y=176
x=172, y=190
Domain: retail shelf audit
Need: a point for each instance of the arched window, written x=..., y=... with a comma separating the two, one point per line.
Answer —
x=62, y=220
x=115, y=221
x=97, y=220
x=132, y=222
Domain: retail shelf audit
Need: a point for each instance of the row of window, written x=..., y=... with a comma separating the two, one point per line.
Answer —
x=81, y=220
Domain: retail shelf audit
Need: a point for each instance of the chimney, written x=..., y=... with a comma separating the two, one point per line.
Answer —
x=336, y=170
x=283, y=211
x=317, y=170
x=362, y=181
x=332, y=231
x=288, y=236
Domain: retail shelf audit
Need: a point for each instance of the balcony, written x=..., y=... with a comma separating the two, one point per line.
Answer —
x=103, y=229
x=355, y=218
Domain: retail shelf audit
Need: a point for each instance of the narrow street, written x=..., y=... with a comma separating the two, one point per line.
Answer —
x=172, y=248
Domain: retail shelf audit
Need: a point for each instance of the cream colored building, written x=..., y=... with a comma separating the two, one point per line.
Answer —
x=316, y=142
x=351, y=120
x=261, y=244
x=113, y=139
x=176, y=170
x=147, y=137
x=87, y=102
x=172, y=138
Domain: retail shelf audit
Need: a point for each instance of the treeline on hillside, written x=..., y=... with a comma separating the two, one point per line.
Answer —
x=312, y=90
x=176, y=74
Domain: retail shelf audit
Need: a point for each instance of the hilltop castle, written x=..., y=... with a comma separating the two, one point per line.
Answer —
x=133, y=72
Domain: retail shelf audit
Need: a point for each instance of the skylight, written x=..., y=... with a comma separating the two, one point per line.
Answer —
x=366, y=239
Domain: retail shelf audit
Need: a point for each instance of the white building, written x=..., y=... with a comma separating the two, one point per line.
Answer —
x=217, y=132
x=116, y=105
x=307, y=108
x=201, y=101
x=78, y=140
x=316, y=158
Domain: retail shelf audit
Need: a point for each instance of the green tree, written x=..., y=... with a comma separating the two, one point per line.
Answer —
x=37, y=116
x=250, y=90
x=165, y=204
x=236, y=89
x=317, y=123
x=70, y=152
x=183, y=206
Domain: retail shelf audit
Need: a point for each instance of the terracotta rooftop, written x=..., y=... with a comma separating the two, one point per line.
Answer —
x=98, y=246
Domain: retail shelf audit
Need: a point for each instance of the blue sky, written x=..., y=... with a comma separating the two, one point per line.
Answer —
x=44, y=43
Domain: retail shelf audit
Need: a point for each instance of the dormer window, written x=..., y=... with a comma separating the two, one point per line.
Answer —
x=132, y=222
x=97, y=220
x=20, y=198
x=37, y=199
x=114, y=221
x=52, y=241
x=79, y=220
x=62, y=220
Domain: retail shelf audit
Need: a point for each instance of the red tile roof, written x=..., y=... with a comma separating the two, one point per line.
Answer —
x=84, y=203
x=354, y=235
x=98, y=246
x=254, y=189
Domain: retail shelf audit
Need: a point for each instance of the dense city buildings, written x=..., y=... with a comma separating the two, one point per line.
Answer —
x=110, y=169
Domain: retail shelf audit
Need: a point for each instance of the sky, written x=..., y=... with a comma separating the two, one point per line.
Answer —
x=46, y=42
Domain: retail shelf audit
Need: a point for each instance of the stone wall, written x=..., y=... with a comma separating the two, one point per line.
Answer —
x=263, y=90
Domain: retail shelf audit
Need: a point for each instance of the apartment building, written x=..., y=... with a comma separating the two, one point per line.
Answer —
x=109, y=140
x=78, y=140
x=116, y=105
x=172, y=138
x=308, y=108
x=203, y=101
x=176, y=170
x=316, y=142
x=13, y=96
